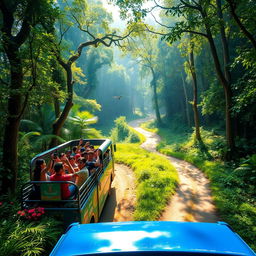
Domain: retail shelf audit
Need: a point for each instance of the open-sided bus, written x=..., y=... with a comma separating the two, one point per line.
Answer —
x=89, y=199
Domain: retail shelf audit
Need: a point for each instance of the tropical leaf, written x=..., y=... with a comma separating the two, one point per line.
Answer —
x=26, y=125
x=25, y=137
x=44, y=140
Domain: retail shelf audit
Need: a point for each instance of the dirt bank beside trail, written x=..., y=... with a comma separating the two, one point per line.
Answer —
x=192, y=201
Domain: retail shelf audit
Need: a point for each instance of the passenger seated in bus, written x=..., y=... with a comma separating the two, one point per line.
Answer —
x=77, y=156
x=67, y=190
x=86, y=145
x=73, y=163
x=64, y=159
x=68, y=153
x=40, y=173
x=74, y=151
x=82, y=150
x=106, y=154
x=93, y=160
x=83, y=172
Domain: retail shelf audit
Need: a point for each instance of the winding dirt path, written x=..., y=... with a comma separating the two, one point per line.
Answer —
x=193, y=200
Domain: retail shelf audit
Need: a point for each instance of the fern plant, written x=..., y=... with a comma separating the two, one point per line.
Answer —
x=247, y=170
x=28, y=239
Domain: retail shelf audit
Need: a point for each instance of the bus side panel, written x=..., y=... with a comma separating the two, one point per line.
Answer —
x=104, y=185
x=89, y=210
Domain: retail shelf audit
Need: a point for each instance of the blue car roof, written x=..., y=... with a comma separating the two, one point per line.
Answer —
x=164, y=237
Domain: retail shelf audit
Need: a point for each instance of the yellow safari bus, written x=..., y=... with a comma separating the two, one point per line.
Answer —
x=89, y=199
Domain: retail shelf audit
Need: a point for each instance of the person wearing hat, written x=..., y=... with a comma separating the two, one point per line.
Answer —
x=93, y=160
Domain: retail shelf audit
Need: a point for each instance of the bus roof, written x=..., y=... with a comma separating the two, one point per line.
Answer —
x=165, y=238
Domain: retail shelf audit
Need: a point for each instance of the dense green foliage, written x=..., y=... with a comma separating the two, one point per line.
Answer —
x=233, y=187
x=123, y=133
x=20, y=237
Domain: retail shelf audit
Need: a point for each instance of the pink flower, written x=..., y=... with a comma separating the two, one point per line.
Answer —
x=31, y=210
x=11, y=203
x=1, y=203
x=22, y=214
x=39, y=214
x=34, y=214
x=19, y=212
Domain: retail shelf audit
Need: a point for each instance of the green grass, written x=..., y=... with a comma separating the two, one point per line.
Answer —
x=234, y=199
x=156, y=179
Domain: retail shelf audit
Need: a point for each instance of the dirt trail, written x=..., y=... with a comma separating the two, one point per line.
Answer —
x=192, y=201
x=120, y=204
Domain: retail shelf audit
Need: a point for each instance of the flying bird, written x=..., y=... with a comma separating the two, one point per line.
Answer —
x=117, y=97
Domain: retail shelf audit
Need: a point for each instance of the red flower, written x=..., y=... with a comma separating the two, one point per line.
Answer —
x=31, y=210
x=1, y=203
x=11, y=203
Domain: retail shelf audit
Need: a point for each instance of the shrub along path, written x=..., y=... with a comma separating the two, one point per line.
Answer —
x=193, y=200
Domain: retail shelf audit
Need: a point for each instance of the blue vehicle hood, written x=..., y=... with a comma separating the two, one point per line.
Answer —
x=156, y=236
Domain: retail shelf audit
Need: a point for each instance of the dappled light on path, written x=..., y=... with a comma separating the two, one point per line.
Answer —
x=193, y=200
x=120, y=204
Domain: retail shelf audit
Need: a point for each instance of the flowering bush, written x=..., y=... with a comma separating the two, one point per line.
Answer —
x=32, y=214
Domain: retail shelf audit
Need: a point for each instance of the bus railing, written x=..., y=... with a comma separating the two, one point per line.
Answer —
x=81, y=195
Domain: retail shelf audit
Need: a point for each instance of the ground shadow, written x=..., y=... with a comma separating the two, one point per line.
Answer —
x=108, y=211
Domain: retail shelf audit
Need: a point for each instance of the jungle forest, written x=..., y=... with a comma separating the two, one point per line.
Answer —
x=72, y=69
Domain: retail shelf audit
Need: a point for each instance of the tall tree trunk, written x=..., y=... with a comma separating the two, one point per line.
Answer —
x=153, y=84
x=194, y=82
x=224, y=42
x=10, y=140
x=59, y=122
x=227, y=91
x=186, y=99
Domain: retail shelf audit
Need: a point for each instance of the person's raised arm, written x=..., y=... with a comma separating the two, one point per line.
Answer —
x=65, y=159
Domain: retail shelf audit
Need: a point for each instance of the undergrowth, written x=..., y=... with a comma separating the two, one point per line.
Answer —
x=19, y=237
x=234, y=196
x=156, y=180
x=122, y=132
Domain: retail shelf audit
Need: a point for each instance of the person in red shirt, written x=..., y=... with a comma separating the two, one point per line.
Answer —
x=67, y=190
